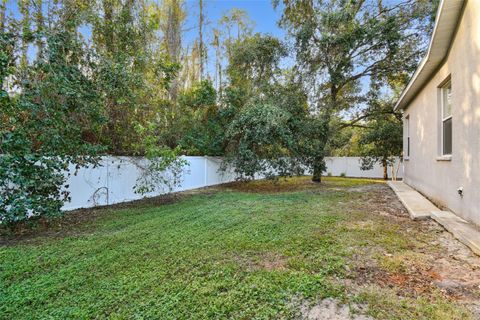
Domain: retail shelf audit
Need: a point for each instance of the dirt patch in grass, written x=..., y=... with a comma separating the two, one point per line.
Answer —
x=274, y=186
x=333, y=309
x=432, y=264
x=304, y=183
x=269, y=261
x=380, y=199
x=273, y=262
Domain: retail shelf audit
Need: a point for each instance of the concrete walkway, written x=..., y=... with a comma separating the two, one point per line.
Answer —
x=464, y=231
x=420, y=208
x=417, y=205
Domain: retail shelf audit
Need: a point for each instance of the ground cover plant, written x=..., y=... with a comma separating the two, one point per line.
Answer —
x=258, y=250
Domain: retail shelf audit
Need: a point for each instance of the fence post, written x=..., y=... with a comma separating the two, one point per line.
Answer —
x=107, y=160
x=205, y=172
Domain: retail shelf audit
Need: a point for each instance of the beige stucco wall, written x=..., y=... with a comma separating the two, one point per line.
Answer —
x=439, y=180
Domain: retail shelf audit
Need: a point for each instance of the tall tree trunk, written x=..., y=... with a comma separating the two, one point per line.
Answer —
x=114, y=112
x=385, y=169
x=216, y=45
x=317, y=170
x=39, y=20
x=220, y=80
x=200, y=36
x=194, y=57
x=25, y=11
x=3, y=17
x=173, y=39
x=319, y=163
x=108, y=26
x=324, y=135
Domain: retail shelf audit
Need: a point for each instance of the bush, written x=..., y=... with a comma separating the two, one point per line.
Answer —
x=261, y=140
x=200, y=95
x=42, y=128
x=163, y=171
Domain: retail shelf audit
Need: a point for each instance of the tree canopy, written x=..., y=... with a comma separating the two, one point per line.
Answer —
x=132, y=85
x=343, y=46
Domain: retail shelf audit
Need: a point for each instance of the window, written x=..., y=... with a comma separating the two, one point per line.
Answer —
x=407, y=130
x=446, y=91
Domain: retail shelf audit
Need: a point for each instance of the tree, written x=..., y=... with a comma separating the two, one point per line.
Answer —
x=341, y=44
x=382, y=138
x=40, y=27
x=261, y=140
x=254, y=61
x=218, y=59
x=268, y=111
x=3, y=8
x=201, y=48
x=24, y=9
x=204, y=133
x=78, y=98
x=253, y=67
x=171, y=19
x=201, y=95
x=346, y=142
x=235, y=20
x=45, y=127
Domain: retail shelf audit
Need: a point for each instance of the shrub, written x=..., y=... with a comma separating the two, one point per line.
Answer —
x=162, y=171
x=42, y=128
x=261, y=141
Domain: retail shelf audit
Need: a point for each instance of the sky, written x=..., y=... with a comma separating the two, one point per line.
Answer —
x=261, y=12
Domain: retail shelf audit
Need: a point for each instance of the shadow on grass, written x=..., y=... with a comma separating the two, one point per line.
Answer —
x=80, y=221
x=296, y=184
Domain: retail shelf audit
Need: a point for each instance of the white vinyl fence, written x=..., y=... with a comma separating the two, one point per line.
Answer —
x=350, y=166
x=113, y=181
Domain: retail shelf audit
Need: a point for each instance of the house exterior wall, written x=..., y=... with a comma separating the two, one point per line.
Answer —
x=424, y=168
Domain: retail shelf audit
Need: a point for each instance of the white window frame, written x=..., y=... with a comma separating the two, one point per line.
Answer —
x=444, y=118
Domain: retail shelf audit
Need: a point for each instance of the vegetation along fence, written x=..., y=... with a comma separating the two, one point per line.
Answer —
x=115, y=179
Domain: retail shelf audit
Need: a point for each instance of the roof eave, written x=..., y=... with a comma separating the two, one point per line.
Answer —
x=446, y=22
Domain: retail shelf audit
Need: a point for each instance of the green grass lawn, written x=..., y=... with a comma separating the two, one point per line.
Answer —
x=254, y=251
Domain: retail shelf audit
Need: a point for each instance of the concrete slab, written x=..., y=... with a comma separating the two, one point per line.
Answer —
x=464, y=231
x=399, y=186
x=420, y=208
x=417, y=205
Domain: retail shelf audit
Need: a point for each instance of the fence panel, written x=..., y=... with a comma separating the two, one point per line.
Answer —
x=113, y=181
x=351, y=167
